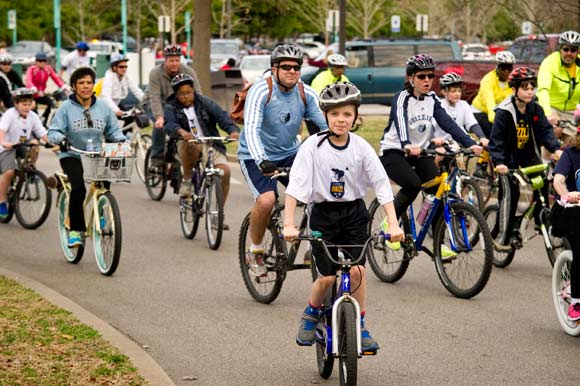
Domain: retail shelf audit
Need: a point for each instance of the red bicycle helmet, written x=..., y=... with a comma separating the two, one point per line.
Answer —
x=520, y=74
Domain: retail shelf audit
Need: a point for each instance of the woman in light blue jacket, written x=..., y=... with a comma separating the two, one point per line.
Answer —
x=79, y=119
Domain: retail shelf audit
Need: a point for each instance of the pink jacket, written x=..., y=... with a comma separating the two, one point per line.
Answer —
x=36, y=77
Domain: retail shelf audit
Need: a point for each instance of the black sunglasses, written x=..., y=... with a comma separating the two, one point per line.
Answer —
x=570, y=49
x=122, y=66
x=424, y=76
x=287, y=67
x=87, y=115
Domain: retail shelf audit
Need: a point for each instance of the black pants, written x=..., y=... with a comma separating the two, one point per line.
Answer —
x=409, y=173
x=44, y=100
x=484, y=122
x=73, y=168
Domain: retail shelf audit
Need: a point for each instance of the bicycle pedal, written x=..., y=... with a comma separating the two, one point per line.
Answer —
x=370, y=352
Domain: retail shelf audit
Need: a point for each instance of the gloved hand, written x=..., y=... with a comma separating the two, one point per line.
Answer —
x=267, y=167
x=64, y=145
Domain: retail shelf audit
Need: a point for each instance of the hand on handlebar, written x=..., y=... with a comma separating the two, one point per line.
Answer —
x=159, y=122
x=413, y=150
x=502, y=169
x=438, y=141
x=477, y=150
x=268, y=168
x=290, y=233
x=572, y=197
x=234, y=135
x=484, y=142
x=396, y=233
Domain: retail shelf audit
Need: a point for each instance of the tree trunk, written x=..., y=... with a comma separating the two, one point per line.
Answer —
x=201, y=46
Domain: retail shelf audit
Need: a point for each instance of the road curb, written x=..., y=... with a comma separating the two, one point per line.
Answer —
x=144, y=363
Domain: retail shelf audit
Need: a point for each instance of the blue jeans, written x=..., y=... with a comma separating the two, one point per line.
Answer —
x=157, y=136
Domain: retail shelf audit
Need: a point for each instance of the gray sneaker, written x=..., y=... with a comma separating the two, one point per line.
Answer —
x=186, y=189
x=307, y=330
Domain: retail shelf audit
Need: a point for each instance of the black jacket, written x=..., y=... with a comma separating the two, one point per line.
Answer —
x=5, y=94
x=503, y=140
x=209, y=115
x=15, y=79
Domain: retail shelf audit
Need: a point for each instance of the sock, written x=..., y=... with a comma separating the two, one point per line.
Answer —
x=255, y=247
x=312, y=310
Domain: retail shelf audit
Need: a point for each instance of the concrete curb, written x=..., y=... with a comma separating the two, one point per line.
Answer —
x=145, y=365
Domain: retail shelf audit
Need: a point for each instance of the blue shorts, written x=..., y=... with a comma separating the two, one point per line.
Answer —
x=259, y=183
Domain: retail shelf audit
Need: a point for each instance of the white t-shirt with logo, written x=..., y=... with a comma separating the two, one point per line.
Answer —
x=15, y=126
x=331, y=173
x=461, y=113
x=193, y=121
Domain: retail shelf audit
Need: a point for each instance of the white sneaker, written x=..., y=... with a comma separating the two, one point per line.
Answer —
x=186, y=189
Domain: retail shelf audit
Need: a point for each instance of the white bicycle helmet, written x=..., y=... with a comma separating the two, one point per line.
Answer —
x=5, y=59
x=505, y=57
x=450, y=79
x=337, y=60
x=339, y=93
x=23, y=93
x=571, y=38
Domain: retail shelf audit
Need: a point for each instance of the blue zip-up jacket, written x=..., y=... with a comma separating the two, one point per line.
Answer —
x=71, y=123
x=411, y=122
x=270, y=130
x=209, y=115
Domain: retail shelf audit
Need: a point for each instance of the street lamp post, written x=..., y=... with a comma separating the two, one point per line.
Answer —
x=124, y=24
x=56, y=7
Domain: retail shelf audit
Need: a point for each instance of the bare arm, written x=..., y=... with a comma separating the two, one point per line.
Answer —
x=290, y=231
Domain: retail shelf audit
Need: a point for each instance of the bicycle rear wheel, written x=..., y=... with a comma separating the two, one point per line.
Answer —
x=11, y=204
x=347, y=345
x=264, y=288
x=108, y=239
x=561, y=292
x=33, y=199
x=387, y=264
x=140, y=147
x=155, y=179
x=471, y=193
x=466, y=273
x=72, y=255
x=501, y=259
x=214, y=211
x=189, y=214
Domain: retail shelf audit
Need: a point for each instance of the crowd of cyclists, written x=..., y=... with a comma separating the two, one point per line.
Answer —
x=514, y=115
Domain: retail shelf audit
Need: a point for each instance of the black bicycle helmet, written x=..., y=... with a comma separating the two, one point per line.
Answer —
x=521, y=74
x=571, y=38
x=286, y=52
x=172, y=50
x=81, y=72
x=419, y=62
x=338, y=94
x=179, y=80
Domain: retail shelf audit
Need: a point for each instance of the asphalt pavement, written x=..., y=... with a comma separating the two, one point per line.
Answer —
x=189, y=306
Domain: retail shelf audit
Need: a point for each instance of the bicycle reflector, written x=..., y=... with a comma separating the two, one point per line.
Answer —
x=537, y=182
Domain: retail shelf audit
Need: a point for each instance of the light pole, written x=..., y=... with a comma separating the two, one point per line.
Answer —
x=56, y=6
x=124, y=24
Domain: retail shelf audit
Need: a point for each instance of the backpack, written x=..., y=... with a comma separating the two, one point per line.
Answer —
x=237, y=110
x=98, y=87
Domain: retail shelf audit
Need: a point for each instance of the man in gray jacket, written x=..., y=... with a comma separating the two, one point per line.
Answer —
x=159, y=90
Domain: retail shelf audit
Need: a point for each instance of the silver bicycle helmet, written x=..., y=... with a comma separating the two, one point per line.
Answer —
x=505, y=57
x=286, y=52
x=450, y=79
x=117, y=58
x=571, y=38
x=419, y=63
x=23, y=93
x=5, y=59
x=339, y=93
x=337, y=60
x=181, y=79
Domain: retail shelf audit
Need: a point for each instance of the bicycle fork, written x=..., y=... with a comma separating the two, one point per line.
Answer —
x=346, y=297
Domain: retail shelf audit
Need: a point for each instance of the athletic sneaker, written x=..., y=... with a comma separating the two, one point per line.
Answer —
x=306, y=335
x=367, y=342
x=574, y=311
x=3, y=210
x=256, y=262
x=446, y=252
x=186, y=189
x=75, y=239
x=385, y=228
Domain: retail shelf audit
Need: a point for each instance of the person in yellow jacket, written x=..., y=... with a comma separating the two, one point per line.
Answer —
x=493, y=88
x=559, y=78
x=335, y=73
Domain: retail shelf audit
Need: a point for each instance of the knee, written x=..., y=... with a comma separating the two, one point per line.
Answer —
x=226, y=169
x=326, y=281
x=266, y=201
x=357, y=273
x=9, y=174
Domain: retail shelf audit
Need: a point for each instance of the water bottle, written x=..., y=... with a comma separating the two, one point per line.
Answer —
x=90, y=145
x=427, y=204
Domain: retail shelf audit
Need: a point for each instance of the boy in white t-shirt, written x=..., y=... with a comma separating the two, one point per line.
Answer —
x=332, y=171
x=17, y=125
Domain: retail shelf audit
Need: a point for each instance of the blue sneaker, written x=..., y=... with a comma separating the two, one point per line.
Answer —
x=367, y=342
x=3, y=210
x=75, y=239
x=307, y=329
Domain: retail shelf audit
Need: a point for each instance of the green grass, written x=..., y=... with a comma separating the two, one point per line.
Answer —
x=41, y=344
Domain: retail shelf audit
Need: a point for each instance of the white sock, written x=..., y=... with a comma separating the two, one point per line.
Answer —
x=255, y=247
x=574, y=300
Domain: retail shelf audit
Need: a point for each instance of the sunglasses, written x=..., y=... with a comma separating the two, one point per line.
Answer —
x=40, y=60
x=122, y=66
x=287, y=67
x=425, y=76
x=503, y=67
x=87, y=115
x=570, y=49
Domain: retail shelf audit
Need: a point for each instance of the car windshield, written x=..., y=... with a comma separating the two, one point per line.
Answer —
x=224, y=48
x=29, y=47
x=258, y=63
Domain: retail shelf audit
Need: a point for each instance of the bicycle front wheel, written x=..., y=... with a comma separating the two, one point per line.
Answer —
x=471, y=193
x=189, y=214
x=72, y=255
x=561, y=292
x=32, y=200
x=389, y=265
x=155, y=179
x=501, y=259
x=266, y=287
x=347, y=345
x=214, y=212
x=140, y=146
x=107, y=234
x=464, y=272
x=324, y=355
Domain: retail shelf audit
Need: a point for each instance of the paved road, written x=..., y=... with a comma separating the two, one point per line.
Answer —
x=189, y=305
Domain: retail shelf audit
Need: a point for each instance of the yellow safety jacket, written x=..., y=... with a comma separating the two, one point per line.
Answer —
x=490, y=94
x=324, y=79
x=556, y=88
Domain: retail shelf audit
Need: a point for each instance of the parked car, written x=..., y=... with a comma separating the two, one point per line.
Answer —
x=223, y=49
x=377, y=67
x=534, y=48
x=253, y=67
x=476, y=51
x=311, y=48
x=24, y=51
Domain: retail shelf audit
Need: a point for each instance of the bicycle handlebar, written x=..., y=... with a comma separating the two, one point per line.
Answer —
x=212, y=139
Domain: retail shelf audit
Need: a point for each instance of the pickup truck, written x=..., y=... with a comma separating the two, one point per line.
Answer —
x=529, y=51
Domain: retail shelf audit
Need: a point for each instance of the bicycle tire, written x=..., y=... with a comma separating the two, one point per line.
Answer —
x=347, y=345
x=388, y=265
x=272, y=283
x=471, y=193
x=155, y=181
x=189, y=215
x=558, y=244
x=561, y=292
x=31, y=188
x=11, y=205
x=108, y=242
x=214, y=211
x=140, y=150
x=464, y=275
x=72, y=255
x=501, y=259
